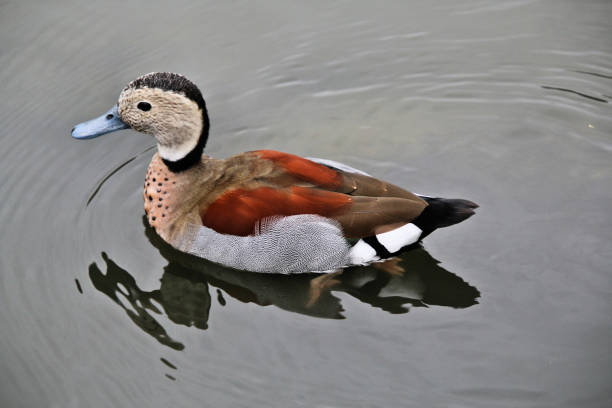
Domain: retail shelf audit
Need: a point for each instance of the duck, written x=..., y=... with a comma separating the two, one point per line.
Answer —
x=262, y=211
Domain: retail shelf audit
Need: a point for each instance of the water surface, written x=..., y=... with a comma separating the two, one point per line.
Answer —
x=507, y=104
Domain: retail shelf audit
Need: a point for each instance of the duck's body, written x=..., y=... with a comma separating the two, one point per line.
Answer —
x=264, y=210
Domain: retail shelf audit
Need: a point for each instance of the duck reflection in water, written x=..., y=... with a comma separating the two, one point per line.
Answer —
x=412, y=279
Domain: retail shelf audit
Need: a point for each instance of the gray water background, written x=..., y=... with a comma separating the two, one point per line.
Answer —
x=448, y=98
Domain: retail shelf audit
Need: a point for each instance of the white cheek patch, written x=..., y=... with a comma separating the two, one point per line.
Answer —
x=178, y=151
x=398, y=238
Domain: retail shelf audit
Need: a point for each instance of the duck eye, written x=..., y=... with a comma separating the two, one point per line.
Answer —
x=144, y=106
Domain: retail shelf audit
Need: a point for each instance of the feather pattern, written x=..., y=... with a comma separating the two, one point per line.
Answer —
x=299, y=243
x=294, y=185
x=245, y=201
x=238, y=211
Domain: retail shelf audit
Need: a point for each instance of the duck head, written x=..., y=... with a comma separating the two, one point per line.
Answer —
x=165, y=105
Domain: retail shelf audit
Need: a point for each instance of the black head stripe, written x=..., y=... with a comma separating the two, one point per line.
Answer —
x=169, y=81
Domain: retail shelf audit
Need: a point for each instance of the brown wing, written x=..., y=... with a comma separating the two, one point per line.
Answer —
x=334, y=179
x=373, y=215
x=361, y=204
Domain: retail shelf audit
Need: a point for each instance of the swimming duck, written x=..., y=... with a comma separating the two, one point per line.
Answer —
x=262, y=211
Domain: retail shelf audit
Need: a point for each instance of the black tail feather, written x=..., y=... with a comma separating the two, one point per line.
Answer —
x=443, y=212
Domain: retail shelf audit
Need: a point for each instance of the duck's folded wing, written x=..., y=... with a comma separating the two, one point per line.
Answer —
x=338, y=166
x=332, y=176
x=240, y=211
x=367, y=215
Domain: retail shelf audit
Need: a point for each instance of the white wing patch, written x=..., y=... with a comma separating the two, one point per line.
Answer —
x=362, y=253
x=398, y=238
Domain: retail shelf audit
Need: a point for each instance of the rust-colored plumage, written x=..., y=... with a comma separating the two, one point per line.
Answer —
x=303, y=169
x=238, y=211
x=281, y=184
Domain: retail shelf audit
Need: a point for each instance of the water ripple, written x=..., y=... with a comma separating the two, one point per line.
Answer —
x=575, y=93
x=346, y=91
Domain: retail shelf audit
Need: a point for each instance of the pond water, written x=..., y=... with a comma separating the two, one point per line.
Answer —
x=507, y=104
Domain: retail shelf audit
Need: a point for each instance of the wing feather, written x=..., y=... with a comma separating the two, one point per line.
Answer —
x=294, y=185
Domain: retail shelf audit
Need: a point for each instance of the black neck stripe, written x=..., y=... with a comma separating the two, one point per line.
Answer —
x=195, y=155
